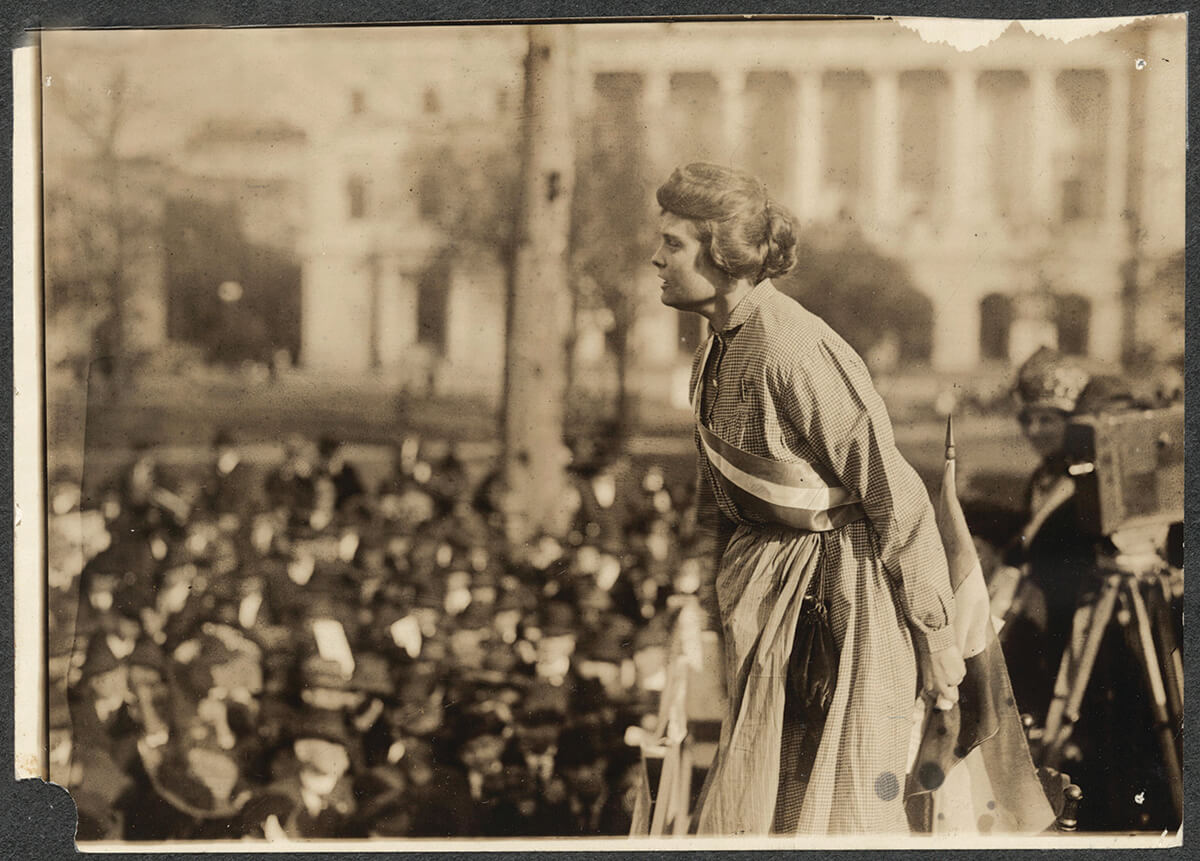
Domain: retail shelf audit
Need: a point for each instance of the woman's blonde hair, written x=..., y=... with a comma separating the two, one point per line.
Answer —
x=745, y=232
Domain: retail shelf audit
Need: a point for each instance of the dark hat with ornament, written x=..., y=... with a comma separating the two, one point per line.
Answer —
x=1050, y=380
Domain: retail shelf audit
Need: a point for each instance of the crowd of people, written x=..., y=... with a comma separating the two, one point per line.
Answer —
x=299, y=652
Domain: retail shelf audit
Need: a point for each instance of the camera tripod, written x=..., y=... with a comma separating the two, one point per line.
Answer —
x=1136, y=590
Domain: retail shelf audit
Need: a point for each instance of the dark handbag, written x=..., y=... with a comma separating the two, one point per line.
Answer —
x=813, y=665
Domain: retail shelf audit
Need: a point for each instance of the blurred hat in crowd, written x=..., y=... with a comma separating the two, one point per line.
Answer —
x=224, y=438
x=613, y=643
x=328, y=445
x=324, y=724
x=544, y=703
x=1048, y=379
x=559, y=618
x=576, y=747
x=372, y=675
x=482, y=719
x=124, y=556
x=149, y=655
x=321, y=673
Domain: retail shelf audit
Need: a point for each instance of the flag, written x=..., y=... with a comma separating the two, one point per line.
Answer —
x=666, y=811
x=972, y=772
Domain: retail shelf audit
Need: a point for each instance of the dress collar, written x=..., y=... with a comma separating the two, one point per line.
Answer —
x=745, y=308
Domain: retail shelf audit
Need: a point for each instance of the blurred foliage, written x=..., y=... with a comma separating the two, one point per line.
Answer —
x=208, y=248
x=612, y=223
x=860, y=292
x=467, y=186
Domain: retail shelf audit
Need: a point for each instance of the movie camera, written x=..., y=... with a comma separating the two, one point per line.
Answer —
x=1129, y=488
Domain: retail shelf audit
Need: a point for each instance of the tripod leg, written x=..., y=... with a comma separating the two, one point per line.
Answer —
x=1158, y=605
x=1158, y=694
x=1074, y=674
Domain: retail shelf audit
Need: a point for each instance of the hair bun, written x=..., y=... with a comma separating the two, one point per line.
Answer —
x=781, y=241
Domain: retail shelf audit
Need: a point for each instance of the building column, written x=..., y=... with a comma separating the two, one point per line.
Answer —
x=1116, y=191
x=885, y=93
x=806, y=173
x=1043, y=141
x=732, y=84
x=965, y=163
x=955, y=324
x=656, y=96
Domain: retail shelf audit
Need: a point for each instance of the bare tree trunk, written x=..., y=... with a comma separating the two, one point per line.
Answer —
x=118, y=375
x=539, y=298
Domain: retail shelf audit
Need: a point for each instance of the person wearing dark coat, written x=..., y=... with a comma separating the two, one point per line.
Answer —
x=1037, y=590
x=348, y=486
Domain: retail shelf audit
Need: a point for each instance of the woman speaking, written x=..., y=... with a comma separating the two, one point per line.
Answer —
x=832, y=583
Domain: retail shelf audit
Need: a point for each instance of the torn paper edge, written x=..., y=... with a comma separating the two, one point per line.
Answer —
x=970, y=34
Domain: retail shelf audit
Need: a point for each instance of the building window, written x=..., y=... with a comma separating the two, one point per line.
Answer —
x=1072, y=319
x=1005, y=100
x=356, y=195
x=358, y=101
x=433, y=104
x=923, y=143
x=1083, y=100
x=433, y=292
x=995, y=324
x=846, y=153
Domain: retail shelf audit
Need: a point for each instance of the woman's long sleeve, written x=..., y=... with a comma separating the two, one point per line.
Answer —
x=834, y=408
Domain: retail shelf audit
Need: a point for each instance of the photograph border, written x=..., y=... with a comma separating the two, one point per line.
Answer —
x=28, y=488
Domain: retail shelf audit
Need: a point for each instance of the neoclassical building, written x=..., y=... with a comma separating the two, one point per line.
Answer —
x=1033, y=188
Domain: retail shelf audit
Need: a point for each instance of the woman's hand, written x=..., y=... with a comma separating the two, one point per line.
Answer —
x=941, y=673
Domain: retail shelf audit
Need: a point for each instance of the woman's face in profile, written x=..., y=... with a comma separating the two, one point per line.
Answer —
x=1045, y=428
x=689, y=278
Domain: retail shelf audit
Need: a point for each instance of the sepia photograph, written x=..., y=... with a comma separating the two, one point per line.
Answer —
x=673, y=434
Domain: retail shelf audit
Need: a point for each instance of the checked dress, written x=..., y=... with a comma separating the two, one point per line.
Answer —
x=779, y=384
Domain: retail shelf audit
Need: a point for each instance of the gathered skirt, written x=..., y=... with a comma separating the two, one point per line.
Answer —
x=854, y=782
